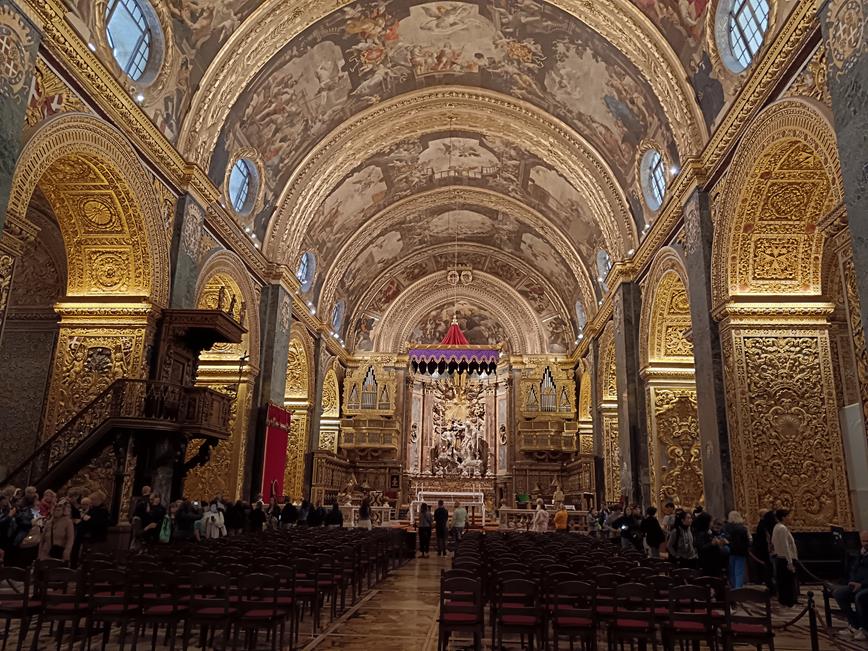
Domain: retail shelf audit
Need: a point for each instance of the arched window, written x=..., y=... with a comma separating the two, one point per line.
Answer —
x=653, y=178
x=128, y=32
x=338, y=317
x=740, y=27
x=242, y=179
x=306, y=270
x=604, y=264
x=581, y=316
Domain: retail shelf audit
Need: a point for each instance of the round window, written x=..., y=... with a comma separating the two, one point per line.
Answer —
x=740, y=28
x=132, y=32
x=306, y=270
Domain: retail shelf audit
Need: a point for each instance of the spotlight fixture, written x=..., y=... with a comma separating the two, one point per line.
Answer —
x=91, y=46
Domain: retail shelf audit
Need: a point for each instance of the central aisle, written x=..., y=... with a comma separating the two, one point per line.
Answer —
x=400, y=614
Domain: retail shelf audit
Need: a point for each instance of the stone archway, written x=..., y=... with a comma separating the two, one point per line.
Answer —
x=116, y=247
x=774, y=215
x=230, y=369
x=674, y=449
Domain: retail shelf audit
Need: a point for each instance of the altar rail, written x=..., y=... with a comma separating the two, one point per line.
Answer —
x=380, y=515
x=521, y=519
x=472, y=501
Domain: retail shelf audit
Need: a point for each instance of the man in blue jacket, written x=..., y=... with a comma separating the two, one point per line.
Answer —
x=855, y=593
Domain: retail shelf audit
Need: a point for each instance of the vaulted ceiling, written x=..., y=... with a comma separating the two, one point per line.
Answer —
x=387, y=130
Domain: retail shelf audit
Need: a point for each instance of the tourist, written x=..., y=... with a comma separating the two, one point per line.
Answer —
x=540, y=521
x=153, y=520
x=47, y=503
x=213, y=523
x=273, y=513
x=630, y=527
x=426, y=521
x=334, y=518
x=785, y=557
x=185, y=523
x=668, y=517
x=289, y=515
x=258, y=517
x=739, y=545
x=317, y=515
x=709, y=549
x=58, y=534
x=855, y=593
x=441, y=519
x=94, y=522
x=594, y=526
x=303, y=512
x=364, y=514
x=459, y=521
x=234, y=518
x=680, y=546
x=760, y=551
x=562, y=519
x=652, y=532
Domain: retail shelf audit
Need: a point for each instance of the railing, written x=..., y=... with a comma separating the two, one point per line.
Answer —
x=548, y=441
x=145, y=403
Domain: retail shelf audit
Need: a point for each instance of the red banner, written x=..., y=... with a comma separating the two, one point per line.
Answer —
x=274, y=459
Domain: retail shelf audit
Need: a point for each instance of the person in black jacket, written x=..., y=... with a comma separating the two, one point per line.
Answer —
x=630, y=527
x=334, y=519
x=153, y=519
x=289, y=515
x=257, y=518
x=709, y=548
x=855, y=593
x=441, y=519
x=760, y=550
x=652, y=532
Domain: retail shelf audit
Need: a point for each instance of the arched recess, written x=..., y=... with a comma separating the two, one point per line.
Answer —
x=607, y=381
x=519, y=327
x=780, y=198
x=297, y=399
x=117, y=253
x=230, y=369
x=666, y=354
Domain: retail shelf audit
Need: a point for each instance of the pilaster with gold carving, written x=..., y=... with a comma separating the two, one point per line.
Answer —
x=783, y=421
x=98, y=343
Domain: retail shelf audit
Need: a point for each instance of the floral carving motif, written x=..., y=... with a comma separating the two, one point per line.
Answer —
x=846, y=33
x=676, y=429
x=612, y=457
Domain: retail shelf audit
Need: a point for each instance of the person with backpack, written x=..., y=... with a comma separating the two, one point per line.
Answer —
x=682, y=551
x=652, y=532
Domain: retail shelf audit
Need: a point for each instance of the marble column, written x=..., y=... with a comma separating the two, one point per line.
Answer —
x=708, y=362
x=19, y=43
x=185, y=252
x=845, y=31
x=632, y=424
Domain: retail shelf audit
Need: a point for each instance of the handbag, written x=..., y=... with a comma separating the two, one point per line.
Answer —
x=166, y=529
x=33, y=537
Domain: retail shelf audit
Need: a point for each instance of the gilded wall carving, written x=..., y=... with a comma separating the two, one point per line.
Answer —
x=785, y=178
x=786, y=443
x=611, y=456
x=7, y=266
x=676, y=454
x=812, y=81
x=331, y=395
x=297, y=397
x=49, y=96
x=296, y=447
x=857, y=332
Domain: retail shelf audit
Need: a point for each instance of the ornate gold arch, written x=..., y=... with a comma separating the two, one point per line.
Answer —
x=274, y=24
x=442, y=252
x=523, y=326
x=784, y=179
x=674, y=450
x=607, y=379
x=472, y=198
x=426, y=111
x=665, y=318
x=114, y=233
x=784, y=188
x=223, y=266
x=297, y=398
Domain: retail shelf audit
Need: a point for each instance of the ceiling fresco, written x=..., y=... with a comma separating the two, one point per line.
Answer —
x=420, y=164
x=373, y=50
x=533, y=288
x=199, y=28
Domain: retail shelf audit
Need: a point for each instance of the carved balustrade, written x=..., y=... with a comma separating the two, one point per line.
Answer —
x=130, y=404
x=548, y=436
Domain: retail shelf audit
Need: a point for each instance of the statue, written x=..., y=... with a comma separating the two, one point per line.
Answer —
x=345, y=497
x=537, y=492
x=558, y=497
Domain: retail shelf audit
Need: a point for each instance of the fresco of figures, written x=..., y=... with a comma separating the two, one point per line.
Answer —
x=478, y=326
x=419, y=164
x=375, y=49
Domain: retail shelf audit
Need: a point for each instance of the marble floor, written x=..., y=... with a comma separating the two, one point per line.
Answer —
x=400, y=614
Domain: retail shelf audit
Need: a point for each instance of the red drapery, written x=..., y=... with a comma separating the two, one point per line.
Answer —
x=274, y=458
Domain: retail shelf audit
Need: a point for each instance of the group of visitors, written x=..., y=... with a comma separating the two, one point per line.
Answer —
x=438, y=520
x=186, y=520
x=34, y=526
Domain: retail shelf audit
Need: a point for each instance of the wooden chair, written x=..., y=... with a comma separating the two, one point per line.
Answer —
x=210, y=607
x=690, y=618
x=519, y=610
x=259, y=610
x=61, y=592
x=460, y=611
x=109, y=603
x=572, y=615
x=161, y=602
x=634, y=615
x=17, y=604
x=749, y=626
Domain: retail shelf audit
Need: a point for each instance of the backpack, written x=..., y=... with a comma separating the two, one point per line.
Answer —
x=166, y=529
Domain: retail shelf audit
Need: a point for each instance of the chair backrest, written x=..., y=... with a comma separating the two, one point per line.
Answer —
x=636, y=601
x=10, y=594
x=691, y=605
x=210, y=590
x=61, y=586
x=753, y=617
x=460, y=595
x=259, y=591
x=573, y=599
x=107, y=587
x=716, y=584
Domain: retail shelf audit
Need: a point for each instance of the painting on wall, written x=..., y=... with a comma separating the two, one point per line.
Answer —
x=479, y=327
x=373, y=50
